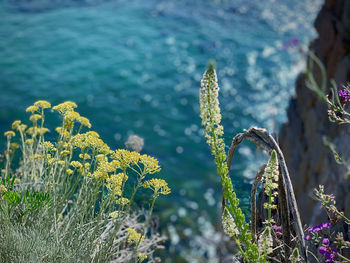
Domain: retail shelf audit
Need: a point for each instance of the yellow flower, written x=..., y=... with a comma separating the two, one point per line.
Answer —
x=125, y=157
x=122, y=201
x=65, y=145
x=16, y=181
x=90, y=140
x=114, y=214
x=65, y=152
x=76, y=164
x=87, y=166
x=69, y=171
x=48, y=145
x=29, y=141
x=72, y=115
x=101, y=158
x=9, y=134
x=115, y=181
x=159, y=186
x=93, y=134
x=22, y=127
x=142, y=256
x=3, y=189
x=35, y=117
x=65, y=107
x=14, y=145
x=36, y=156
x=134, y=236
x=150, y=164
x=43, y=104
x=62, y=132
x=84, y=156
x=32, y=109
x=15, y=124
x=98, y=174
x=61, y=162
x=84, y=121
x=42, y=131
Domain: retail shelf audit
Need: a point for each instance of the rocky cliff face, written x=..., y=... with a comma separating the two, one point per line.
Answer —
x=310, y=162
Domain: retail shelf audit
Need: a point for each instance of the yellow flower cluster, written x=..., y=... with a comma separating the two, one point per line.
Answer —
x=29, y=141
x=76, y=164
x=90, y=140
x=104, y=167
x=150, y=164
x=125, y=157
x=48, y=145
x=96, y=160
x=42, y=104
x=142, y=256
x=32, y=109
x=65, y=107
x=122, y=201
x=9, y=134
x=128, y=158
x=14, y=146
x=134, y=236
x=34, y=131
x=15, y=124
x=114, y=214
x=65, y=152
x=3, y=189
x=84, y=156
x=62, y=131
x=35, y=117
x=115, y=182
x=159, y=186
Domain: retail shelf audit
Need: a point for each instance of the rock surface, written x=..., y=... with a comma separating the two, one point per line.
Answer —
x=310, y=162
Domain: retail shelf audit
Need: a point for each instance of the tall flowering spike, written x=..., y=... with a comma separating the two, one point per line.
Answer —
x=271, y=180
x=210, y=112
x=211, y=118
x=209, y=92
x=265, y=242
x=228, y=224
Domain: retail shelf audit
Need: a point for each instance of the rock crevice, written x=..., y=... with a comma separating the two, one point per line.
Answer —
x=309, y=161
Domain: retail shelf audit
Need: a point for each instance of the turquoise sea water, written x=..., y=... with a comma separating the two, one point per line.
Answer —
x=134, y=67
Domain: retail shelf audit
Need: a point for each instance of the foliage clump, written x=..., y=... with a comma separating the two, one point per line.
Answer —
x=72, y=199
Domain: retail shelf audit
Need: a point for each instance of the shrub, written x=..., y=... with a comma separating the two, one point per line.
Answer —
x=72, y=199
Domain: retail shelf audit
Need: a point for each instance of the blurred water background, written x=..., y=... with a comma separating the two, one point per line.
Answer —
x=134, y=67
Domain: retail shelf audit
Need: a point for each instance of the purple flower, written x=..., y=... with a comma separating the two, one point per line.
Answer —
x=276, y=227
x=325, y=241
x=314, y=229
x=328, y=252
x=319, y=227
x=307, y=237
x=344, y=96
x=326, y=225
x=323, y=250
x=330, y=255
